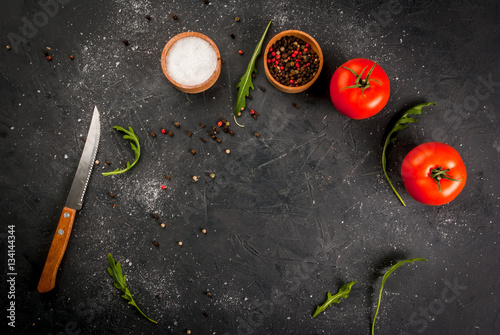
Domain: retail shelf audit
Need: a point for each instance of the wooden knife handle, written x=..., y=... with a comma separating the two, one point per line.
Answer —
x=57, y=249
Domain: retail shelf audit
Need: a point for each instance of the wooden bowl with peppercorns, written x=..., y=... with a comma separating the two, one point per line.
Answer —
x=292, y=61
x=191, y=62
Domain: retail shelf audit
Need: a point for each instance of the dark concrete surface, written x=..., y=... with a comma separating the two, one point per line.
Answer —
x=290, y=215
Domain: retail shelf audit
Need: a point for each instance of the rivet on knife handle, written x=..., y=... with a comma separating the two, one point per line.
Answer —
x=57, y=249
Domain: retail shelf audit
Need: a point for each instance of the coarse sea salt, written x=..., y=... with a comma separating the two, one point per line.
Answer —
x=191, y=61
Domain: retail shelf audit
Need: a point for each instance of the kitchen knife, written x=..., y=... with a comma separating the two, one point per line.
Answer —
x=73, y=203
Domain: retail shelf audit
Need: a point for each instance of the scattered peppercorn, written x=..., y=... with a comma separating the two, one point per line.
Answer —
x=228, y=151
x=148, y=17
x=156, y=243
x=188, y=133
x=212, y=175
x=162, y=225
x=252, y=111
x=203, y=140
x=240, y=52
x=255, y=115
x=168, y=177
x=96, y=162
x=170, y=133
x=231, y=132
x=179, y=243
x=296, y=105
x=204, y=231
x=195, y=178
x=205, y=314
x=175, y=17
x=262, y=88
x=188, y=331
x=112, y=195
x=153, y=134
x=205, y=2
x=108, y=162
x=158, y=297
x=202, y=125
x=154, y=216
x=232, y=35
x=218, y=140
x=7, y=47
x=49, y=58
x=177, y=124
x=163, y=131
x=237, y=19
x=192, y=151
x=71, y=57
x=162, y=187
x=84, y=139
x=125, y=42
x=256, y=134
x=45, y=52
x=209, y=294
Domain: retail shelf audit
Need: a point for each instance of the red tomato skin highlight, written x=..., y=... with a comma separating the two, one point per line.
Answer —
x=416, y=170
x=353, y=102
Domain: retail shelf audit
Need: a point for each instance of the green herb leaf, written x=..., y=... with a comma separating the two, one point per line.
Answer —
x=245, y=84
x=342, y=293
x=387, y=274
x=115, y=271
x=402, y=123
x=129, y=135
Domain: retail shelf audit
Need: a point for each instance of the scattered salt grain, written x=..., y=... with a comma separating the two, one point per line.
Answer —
x=191, y=61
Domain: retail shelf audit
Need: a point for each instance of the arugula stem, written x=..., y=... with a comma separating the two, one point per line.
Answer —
x=384, y=167
x=386, y=275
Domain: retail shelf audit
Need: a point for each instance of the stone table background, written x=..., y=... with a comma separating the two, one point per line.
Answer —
x=290, y=215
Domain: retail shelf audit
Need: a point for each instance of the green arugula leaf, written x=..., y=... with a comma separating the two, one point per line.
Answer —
x=387, y=274
x=129, y=135
x=245, y=84
x=342, y=293
x=402, y=123
x=115, y=271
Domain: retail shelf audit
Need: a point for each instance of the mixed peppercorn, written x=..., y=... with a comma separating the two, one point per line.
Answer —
x=292, y=62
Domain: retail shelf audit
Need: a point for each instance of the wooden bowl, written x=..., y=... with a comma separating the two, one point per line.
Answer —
x=194, y=88
x=306, y=38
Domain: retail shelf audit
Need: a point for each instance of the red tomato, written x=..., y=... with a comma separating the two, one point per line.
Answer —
x=433, y=173
x=359, y=88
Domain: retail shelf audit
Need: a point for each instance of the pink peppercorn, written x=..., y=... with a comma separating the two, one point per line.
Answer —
x=164, y=131
x=162, y=187
x=240, y=52
x=252, y=112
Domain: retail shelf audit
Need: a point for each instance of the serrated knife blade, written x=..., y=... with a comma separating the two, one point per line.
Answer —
x=73, y=203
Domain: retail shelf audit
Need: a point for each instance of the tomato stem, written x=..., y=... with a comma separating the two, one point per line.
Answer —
x=364, y=83
x=438, y=173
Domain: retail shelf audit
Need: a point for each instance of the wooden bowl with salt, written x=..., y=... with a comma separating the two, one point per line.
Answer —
x=307, y=39
x=191, y=62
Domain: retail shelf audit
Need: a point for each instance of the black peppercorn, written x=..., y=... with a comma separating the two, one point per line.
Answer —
x=175, y=17
x=177, y=124
x=125, y=42
x=232, y=35
x=148, y=17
